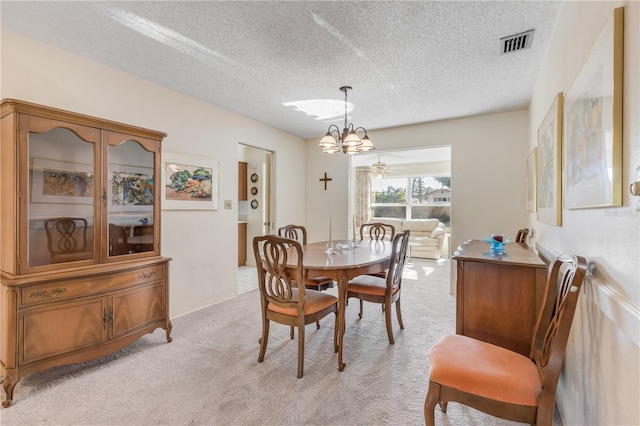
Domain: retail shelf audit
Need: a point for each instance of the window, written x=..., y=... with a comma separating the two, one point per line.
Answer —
x=428, y=197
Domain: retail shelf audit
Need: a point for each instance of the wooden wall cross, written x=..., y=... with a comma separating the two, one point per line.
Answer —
x=325, y=180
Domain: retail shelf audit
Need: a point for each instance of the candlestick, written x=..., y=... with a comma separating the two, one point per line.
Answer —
x=330, y=240
x=354, y=227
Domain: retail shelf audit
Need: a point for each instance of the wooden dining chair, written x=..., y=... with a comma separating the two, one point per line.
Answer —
x=385, y=291
x=282, y=298
x=67, y=239
x=299, y=233
x=503, y=383
x=521, y=237
x=377, y=231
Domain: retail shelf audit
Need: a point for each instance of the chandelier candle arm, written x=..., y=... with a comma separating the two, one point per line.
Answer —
x=348, y=141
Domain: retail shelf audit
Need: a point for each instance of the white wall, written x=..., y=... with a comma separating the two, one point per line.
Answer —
x=203, y=244
x=488, y=174
x=601, y=379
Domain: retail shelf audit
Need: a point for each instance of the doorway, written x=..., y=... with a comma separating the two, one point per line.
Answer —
x=403, y=184
x=255, y=211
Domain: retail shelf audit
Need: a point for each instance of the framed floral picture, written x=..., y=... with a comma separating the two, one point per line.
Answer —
x=549, y=190
x=189, y=182
x=593, y=117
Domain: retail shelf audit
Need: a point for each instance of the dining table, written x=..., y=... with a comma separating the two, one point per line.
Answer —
x=343, y=261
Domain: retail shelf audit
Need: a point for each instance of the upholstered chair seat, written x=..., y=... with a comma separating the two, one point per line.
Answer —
x=483, y=369
x=315, y=301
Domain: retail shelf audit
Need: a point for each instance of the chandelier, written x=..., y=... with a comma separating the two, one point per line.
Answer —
x=348, y=140
x=379, y=170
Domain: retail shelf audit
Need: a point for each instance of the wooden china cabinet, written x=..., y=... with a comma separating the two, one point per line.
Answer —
x=81, y=275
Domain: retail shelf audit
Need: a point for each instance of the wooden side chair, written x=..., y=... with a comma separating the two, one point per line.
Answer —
x=521, y=237
x=282, y=298
x=299, y=233
x=385, y=291
x=67, y=239
x=503, y=383
x=378, y=232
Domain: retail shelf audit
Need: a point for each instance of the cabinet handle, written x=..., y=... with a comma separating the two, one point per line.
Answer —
x=111, y=316
x=104, y=318
x=44, y=293
x=145, y=275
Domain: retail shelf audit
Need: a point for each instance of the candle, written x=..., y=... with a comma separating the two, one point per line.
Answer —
x=330, y=229
x=354, y=227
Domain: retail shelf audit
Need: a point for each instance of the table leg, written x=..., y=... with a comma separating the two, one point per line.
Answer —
x=342, y=302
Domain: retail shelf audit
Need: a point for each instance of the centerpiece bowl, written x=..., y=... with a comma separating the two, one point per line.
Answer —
x=497, y=242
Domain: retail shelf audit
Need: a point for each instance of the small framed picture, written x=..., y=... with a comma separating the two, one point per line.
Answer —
x=254, y=190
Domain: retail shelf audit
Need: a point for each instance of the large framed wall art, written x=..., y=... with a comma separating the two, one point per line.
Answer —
x=532, y=180
x=593, y=124
x=550, y=165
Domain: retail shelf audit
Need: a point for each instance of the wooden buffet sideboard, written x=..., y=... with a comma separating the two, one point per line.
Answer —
x=499, y=296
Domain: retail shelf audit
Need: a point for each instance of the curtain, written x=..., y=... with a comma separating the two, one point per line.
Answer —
x=362, y=199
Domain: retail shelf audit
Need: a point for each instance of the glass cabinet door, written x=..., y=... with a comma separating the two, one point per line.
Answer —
x=61, y=191
x=131, y=186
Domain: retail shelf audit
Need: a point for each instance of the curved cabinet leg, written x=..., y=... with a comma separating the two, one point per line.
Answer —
x=8, y=384
x=168, y=329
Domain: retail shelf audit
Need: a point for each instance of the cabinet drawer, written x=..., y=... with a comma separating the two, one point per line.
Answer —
x=78, y=287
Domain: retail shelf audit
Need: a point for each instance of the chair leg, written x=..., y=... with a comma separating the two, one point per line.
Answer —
x=318, y=325
x=399, y=314
x=300, y=350
x=387, y=317
x=291, y=332
x=335, y=335
x=430, y=402
x=360, y=315
x=263, y=340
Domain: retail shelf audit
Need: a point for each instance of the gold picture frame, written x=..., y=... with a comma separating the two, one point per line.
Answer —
x=592, y=172
x=549, y=190
x=532, y=181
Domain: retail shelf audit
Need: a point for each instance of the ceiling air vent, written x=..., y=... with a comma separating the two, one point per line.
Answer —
x=516, y=42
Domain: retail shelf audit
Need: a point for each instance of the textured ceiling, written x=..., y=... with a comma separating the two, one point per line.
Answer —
x=408, y=62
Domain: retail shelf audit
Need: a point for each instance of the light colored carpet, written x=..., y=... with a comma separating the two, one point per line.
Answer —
x=209, y=374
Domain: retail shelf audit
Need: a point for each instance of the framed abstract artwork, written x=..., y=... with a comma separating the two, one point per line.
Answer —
x=189, y=182
x=549, y=189
x=62, y=182
x=593, y=119
x=532, y=180
x=131, y=188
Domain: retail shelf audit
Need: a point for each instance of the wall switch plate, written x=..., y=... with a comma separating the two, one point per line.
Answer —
x=227, y=204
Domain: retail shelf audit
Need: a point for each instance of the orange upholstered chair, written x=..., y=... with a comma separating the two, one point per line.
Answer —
x=299, y=233
x=385, y=291
x=503, y=383
x=521, y=237
x=283, y=297
x=378, y=232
